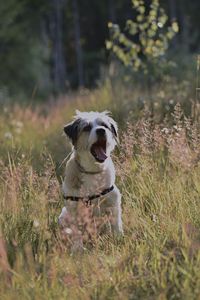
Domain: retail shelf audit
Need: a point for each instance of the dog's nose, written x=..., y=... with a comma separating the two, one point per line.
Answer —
x=100, y=132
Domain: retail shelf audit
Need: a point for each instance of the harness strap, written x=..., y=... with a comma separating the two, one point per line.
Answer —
x=89, y=198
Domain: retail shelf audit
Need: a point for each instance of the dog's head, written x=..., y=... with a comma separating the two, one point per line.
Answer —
x=93, y=135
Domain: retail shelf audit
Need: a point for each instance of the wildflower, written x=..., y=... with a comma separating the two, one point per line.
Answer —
x=8, y=135
x=154, y=218
x=17, y=124
x=5, y=109
x=177, y=128
x=156, y=104
x=36, y=223
x=165, y=130
x=68, y=231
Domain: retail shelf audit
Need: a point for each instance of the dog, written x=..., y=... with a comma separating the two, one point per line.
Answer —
x=90, y=173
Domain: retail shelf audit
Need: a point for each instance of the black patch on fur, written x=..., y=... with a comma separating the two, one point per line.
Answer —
x=113, y=129
x=87, y=128
x=72, y=130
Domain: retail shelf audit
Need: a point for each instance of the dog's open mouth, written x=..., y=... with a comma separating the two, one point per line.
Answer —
x=98, y=150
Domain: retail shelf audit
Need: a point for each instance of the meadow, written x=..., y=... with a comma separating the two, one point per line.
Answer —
x=158, y=173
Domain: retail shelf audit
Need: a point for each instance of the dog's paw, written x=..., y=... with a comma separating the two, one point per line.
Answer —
x=62, y=219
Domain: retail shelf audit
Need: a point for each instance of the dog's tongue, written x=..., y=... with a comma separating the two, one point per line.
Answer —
x=100, y=153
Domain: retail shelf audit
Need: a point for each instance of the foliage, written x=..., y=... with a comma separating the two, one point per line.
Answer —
x=22, y=56
x=146, y=39
x=28, y=46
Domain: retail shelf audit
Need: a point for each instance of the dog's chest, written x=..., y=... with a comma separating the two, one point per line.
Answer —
x=82, y=184
x=94, y=184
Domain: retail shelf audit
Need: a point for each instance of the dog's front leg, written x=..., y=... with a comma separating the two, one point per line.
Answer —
x=116, y=213
x=116, y=221
x=62, y=219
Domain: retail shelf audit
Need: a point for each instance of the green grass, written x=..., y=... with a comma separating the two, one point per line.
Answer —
x=159, y=177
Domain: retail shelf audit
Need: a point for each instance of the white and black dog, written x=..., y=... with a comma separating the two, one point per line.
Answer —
x=90, y=173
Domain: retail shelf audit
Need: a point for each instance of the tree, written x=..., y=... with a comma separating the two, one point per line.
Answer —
x=22, y=58
x=145, y=42
x=79, y=55
x=56, y=34
x=46, y=44
x=146, y=39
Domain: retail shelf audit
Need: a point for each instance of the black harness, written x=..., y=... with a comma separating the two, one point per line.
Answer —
x=88, y=199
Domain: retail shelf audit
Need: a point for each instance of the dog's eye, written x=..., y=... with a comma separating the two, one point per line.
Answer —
x=87, y=128
x=104, y=125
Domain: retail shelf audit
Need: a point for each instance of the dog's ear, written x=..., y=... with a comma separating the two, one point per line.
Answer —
x=113, y=124
x=114, y=128
x=72, y=130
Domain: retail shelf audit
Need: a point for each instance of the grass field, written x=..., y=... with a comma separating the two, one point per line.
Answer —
x=158, y=173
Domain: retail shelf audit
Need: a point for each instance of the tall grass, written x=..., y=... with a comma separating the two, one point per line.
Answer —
x=158, y=173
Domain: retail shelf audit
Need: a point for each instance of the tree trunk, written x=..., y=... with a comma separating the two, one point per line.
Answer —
x=184, y=27
x=112, y=14
x=172, y=9
x=77, y=34
x=58, y=61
